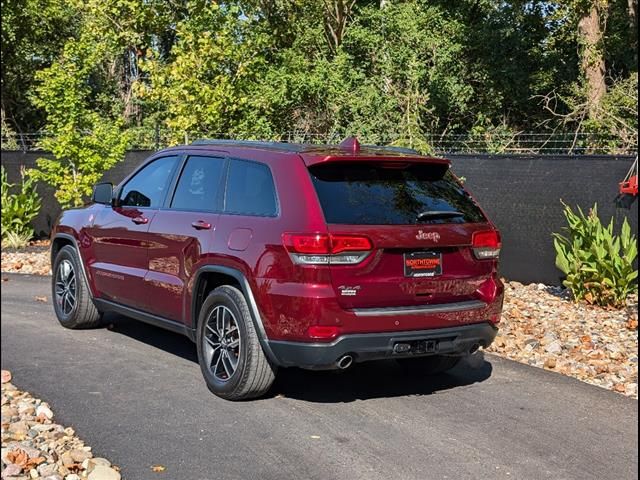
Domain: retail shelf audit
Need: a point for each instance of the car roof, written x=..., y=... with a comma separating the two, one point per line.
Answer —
x=349, y=149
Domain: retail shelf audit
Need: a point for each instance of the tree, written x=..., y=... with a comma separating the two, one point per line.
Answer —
x=84, y=143
x=33, y=34
x=205, y=86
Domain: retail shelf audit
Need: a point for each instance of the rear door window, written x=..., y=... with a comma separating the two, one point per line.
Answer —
x=250, y=189
x=375, y=194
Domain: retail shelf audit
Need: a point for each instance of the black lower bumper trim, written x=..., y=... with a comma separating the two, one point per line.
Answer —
x=375, y=346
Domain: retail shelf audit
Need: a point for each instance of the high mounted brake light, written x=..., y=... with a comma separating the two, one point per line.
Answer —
x=486, y=244
x=324, y=249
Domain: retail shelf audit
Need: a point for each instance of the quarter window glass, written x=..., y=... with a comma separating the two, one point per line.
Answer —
x=250, y=189
x=199, y=184
x=149, y=186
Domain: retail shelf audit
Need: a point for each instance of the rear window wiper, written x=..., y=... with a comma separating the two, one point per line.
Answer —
x=435, y=214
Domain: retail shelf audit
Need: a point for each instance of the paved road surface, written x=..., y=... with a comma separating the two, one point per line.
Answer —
x=134, y=393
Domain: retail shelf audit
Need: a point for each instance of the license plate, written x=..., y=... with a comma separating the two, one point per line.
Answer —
x=422, y=264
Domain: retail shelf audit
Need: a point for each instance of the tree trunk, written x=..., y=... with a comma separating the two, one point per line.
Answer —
x=592, y=61
x=337, y=14
x=632, y=8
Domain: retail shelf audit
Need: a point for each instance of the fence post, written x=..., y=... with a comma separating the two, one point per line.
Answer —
x=157, y=135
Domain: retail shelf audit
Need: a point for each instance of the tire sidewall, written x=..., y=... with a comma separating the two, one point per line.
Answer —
x=220, y=297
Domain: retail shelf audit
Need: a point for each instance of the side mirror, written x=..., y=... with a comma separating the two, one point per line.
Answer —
x=102, y=193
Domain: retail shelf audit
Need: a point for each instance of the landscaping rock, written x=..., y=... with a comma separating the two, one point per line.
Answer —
x=102, y=472
x=33, y=447
x=540, y=324
x=543, y=327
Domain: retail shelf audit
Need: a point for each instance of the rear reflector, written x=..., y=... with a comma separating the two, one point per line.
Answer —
x=325, y=332
x=324, y=248
x=486, y=244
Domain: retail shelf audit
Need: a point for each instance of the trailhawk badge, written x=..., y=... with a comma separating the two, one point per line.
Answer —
x=435, y=236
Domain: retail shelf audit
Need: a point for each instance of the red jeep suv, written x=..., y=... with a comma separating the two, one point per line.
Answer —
x=273, y=255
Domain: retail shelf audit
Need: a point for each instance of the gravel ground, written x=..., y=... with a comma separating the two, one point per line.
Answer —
x=33, y=446
x=34, y=259
x=540, y=326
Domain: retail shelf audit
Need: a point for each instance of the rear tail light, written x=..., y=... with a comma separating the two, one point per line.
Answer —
x=486, y=244
x=325, y=249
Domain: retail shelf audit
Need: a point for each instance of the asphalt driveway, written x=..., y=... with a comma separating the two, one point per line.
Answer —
x=135, y=394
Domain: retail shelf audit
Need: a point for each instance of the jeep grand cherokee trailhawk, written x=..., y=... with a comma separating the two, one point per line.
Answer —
x=273, y=255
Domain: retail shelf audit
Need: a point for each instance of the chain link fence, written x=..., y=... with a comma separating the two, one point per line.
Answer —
x=564, y=143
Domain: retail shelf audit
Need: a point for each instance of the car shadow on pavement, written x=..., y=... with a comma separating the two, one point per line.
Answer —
x=379, y=379
x=170, y=342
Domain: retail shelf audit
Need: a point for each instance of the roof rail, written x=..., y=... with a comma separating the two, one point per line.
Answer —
x=299, y=147
x=290, y=147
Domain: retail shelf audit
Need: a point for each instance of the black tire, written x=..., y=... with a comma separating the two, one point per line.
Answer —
x=431, y=365
x=253, y=374
x=83, y=313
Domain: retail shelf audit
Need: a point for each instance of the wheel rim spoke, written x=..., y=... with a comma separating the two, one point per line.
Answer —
x=65, y=287
x=221, y=343
x=226, y=364
x=215, y=367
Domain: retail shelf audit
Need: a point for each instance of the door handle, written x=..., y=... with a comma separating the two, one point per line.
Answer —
x=201, y=225
x=140, y=220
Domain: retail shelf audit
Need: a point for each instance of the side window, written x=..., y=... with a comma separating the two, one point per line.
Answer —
x=250, y=189
x=148, y=187
x=199, y=184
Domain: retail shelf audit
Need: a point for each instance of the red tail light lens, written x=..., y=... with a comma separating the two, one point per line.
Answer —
x=322, y=248
x=486, y=244
x=348, y=243
x=304, y=243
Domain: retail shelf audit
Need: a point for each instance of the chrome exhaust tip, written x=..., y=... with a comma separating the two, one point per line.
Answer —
x=344, y=362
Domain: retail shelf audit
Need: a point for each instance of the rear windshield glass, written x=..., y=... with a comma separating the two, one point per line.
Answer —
x=372, y=194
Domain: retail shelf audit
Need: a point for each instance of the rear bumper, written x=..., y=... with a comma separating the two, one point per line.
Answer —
x=375, y=346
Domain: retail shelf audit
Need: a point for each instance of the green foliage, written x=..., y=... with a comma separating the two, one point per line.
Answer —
x=20, y=205
x=205, y=86
x=33, y=34
x=490, y=138
x=16, y=240
x=84, y=143
x=598, y=264
x=618, y=118
x=396, y=73
x=9, y=141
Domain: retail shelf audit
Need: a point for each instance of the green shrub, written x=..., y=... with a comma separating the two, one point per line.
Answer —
x=597, y=263
x=16, y=240
x=20, y=205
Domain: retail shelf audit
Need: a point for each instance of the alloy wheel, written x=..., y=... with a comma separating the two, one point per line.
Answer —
x=222, y=343
x=66, y=287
